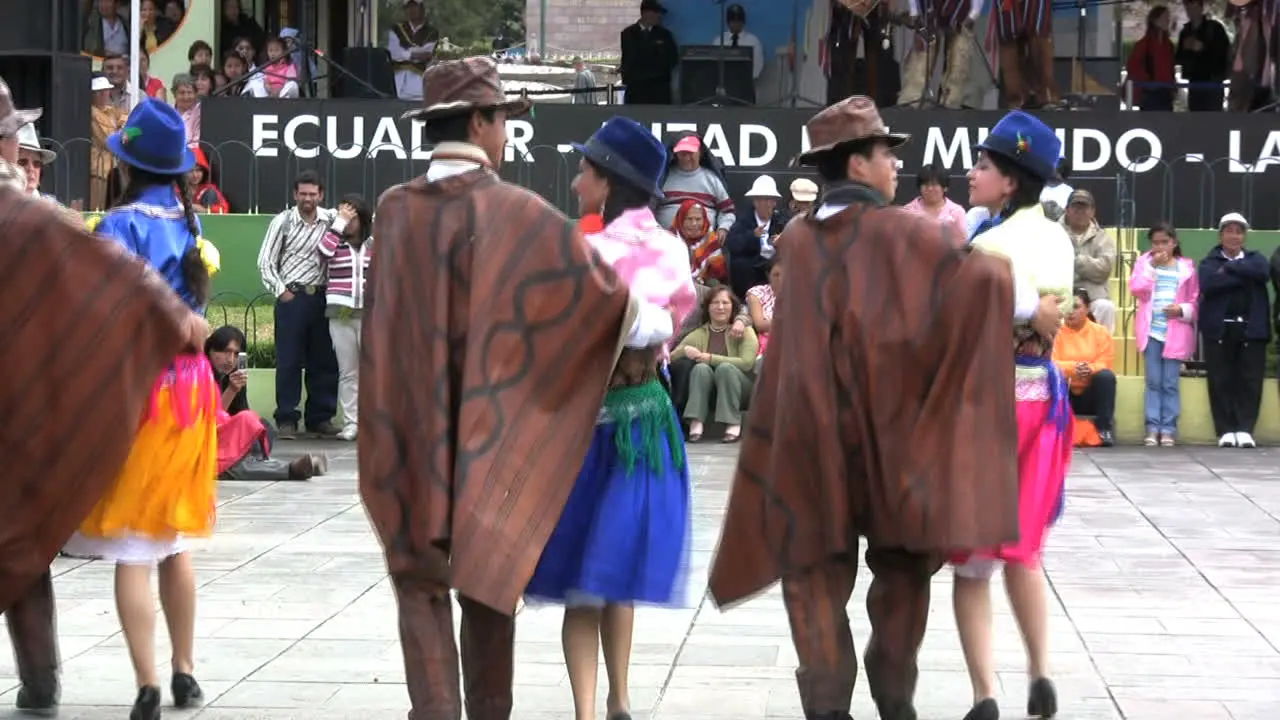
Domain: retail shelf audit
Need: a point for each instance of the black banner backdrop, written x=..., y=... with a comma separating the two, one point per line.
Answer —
x=1189, y=168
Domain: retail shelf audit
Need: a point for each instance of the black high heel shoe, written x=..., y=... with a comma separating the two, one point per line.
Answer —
x=987, y=709
x=185, y=689
x=147, y=706
x=1042, y=699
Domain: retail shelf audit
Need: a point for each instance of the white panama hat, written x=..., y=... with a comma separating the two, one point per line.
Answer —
x=764, y=186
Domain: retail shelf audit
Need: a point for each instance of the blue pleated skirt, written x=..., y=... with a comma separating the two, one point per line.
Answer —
x=624, y=535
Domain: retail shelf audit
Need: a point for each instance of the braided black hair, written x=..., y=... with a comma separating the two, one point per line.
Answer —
x=193, y=267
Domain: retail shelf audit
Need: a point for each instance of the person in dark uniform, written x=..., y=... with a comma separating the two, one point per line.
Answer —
x=649, y=56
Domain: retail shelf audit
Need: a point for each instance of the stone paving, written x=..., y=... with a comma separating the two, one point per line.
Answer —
x=1165, y=575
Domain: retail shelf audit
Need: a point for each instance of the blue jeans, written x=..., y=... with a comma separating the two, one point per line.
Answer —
x=303, y=343
x=1162, y=403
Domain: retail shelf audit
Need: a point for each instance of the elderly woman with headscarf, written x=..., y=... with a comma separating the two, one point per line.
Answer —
x=1016, y=159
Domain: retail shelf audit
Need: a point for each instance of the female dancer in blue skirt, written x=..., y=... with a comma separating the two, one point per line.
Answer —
x=623, y=537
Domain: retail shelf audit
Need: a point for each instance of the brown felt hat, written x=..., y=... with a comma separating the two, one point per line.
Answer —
x=11, y=118
x=454, y=87
x=851, y=120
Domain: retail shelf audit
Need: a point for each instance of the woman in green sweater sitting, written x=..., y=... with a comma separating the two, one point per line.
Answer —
x=717, y=363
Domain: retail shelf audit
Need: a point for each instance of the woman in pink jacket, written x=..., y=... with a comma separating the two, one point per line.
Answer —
x=1164, y=283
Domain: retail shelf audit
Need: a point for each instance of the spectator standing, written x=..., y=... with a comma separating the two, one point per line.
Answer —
x=238, y=24
x=1204, y=52
x=206, y=80
x=156, y=28
x=583, y=81
x=293, y=271
x=932, y=201
x=752, y=240
x=1095, y=256
x=1235, y=329
x=1150, y=64
x=412, y=46
x=105, y=119
x=649, y=57
x=1085, y=354
x=106, y=31
x=347, y=251
x=1166, y=288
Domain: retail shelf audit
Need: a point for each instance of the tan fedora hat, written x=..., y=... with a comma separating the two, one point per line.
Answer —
x=851, y=120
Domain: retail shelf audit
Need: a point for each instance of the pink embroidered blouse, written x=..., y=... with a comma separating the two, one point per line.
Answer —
x=651, y=260
x=952, y=212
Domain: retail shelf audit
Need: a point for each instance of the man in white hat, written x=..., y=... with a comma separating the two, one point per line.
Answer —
x=751, y=239
x=412, y=46
x=32, y=158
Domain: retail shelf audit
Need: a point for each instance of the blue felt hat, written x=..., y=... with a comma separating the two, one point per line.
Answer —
x=1027, y=142
x=153, y=139
x=629, y=150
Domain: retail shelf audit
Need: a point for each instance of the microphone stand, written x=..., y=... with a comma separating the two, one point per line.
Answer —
x=721, y=95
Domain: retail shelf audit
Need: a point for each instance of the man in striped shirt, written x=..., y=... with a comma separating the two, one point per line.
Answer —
x=293, y=270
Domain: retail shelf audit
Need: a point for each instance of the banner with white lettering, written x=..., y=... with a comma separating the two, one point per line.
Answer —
x=1189, y=168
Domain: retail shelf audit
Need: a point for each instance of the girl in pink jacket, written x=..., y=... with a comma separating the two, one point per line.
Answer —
x=1165, y=286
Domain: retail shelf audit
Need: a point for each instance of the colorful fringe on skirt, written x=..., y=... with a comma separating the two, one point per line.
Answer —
x=168, y=485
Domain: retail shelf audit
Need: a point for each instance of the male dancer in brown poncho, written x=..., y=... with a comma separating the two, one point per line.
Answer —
x=883, y=411
x=489, y=340
x=87, y=329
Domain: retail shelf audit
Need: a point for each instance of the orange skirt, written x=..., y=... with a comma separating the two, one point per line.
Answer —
x=168, y=485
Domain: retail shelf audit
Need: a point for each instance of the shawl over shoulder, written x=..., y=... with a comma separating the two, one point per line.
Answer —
x=87, y=330
x=490, y=332
x=885, y=407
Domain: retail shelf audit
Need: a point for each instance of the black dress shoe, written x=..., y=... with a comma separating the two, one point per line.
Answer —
x=1042, y=699
x=985, y=710
x=147, y=706
x=186, y=691
x=38, y=702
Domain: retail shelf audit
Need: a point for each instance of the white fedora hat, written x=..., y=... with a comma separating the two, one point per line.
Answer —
x=29, y=139
x=764, y=186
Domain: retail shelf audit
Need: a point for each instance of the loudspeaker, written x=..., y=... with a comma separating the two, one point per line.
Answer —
x=371, y=64
x=700, y=73
x=59, y=83
x=48, y=26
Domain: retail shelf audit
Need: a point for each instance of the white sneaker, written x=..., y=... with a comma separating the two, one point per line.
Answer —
x=348, y=433
x=1228, y=440
x=1245, y=440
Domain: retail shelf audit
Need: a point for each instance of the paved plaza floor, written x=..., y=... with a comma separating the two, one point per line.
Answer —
x=1165, y=604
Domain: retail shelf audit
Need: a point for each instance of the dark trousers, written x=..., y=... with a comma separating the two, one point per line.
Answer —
x=817, y=602
x=32, y=629
x=648, y=92
x=303, y=343
x=1235, y=366
x=1098, y=400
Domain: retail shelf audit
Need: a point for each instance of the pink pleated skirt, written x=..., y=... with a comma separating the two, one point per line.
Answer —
x=1044, y=457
